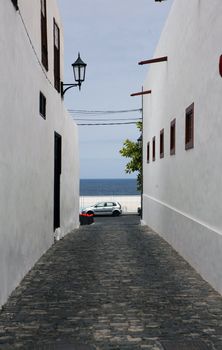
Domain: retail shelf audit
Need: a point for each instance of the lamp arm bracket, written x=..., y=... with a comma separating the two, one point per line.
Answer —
x=69, y=86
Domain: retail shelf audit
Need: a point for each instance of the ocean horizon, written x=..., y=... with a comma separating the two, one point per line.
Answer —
x=106, y=187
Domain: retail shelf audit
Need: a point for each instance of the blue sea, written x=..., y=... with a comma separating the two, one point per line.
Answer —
x=108, y=187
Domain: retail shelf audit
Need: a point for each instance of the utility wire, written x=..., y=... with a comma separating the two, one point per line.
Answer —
x=33, y=48
x=83, y=111
x=93, y=124
x=107, y=120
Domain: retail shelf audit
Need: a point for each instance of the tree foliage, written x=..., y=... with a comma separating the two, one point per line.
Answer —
x=133, y=150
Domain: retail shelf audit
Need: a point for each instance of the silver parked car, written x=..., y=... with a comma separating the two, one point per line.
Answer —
x=104, y=208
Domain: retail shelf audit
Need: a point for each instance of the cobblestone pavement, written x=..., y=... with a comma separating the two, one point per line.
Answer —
x=112, y=285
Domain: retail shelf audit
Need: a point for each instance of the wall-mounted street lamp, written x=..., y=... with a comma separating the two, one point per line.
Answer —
x=79, y=71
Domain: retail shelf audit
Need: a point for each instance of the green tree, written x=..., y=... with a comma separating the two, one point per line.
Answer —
x=133, y=150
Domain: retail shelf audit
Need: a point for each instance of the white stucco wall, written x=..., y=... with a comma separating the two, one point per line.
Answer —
x=27, y=145
x=183, y=193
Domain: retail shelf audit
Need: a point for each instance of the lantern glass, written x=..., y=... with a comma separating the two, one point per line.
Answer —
x=79, y=70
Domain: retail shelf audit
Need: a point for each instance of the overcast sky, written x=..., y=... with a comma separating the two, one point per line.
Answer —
x=112, y=36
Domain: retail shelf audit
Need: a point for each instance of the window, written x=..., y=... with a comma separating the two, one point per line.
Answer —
x=148, y=152
x=44, y=34
x=173, y=137
x=42, y=105
x=56, y=57
x=162, y=143
x=189, y=127
x=154, y=148
x=15, y=3
x=110, y=204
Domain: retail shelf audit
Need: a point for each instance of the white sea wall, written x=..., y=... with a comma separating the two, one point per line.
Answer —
x=129, y=204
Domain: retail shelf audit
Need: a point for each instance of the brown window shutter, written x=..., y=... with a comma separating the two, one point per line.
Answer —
x=162, y=143
x=56, y=57
x=44, y=34
x=15, y=3
x=173, y=137
x=154, y=148
x=189, y=127
x=42, y=105
x=148, y=152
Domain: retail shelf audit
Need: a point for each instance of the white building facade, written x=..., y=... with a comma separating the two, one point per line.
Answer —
x=182, y=144
x=39, y=161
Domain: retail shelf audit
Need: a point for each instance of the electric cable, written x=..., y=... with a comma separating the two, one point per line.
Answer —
x=107, y=120
x=33, y=48
x=96, y=124
x=83, y=111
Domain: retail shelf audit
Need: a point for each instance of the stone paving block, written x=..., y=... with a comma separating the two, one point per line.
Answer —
x=186, y=345
x=63, y=346
x=114, y=285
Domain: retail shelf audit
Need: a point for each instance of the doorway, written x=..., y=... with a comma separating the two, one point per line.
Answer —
x=57, y=175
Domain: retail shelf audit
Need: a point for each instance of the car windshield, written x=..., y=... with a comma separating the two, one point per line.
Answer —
x=99, y=204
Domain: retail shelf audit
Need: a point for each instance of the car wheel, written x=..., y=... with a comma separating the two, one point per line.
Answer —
x=90, y=212
x=116, y=213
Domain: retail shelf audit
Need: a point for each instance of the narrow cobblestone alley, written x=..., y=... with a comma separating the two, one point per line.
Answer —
x=112, y=285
